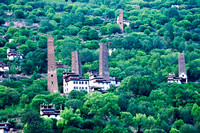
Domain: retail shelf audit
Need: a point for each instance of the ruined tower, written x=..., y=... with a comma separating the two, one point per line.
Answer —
x=76, y=63
x=103, y=62
x=120, y=21
x=52, y=73
x=182, y=68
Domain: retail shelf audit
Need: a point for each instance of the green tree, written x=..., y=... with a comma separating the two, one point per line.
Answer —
x=83, y=34
x=187, y=128
x=103, y=30
x=141, y=85
x=35, y=124
x=35, y=61
x=177, y=124
x=142, y=122
x=19, y=14
x=123, y=102
x=12, y=30
x=72, y=30
x=102, y=105
x=2, y=21
x=113, y=28
x=42, y=43
x=127, y=29
x=22, y=40
x=93, y=34
x=187, y=36
x=8, y=96
x=69, y=119
x=74, y=103
x=195, y=110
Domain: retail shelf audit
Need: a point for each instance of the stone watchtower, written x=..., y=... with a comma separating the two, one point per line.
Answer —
x=52, y=73
x=103, y=62
x=120, y=21
x=76, y=63
x=182, y=68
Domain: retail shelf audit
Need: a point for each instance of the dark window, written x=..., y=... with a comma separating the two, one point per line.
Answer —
x=85, y=82
x=51, y=82
x=51, y=75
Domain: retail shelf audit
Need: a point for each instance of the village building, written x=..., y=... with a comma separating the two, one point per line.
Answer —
x=171, y=78
x=13, y=54
x=72, y=81
x=61, y=65
x=49, y=111
x=5, y=127
x=182, y=78
x=98, y=81
x=4, y=67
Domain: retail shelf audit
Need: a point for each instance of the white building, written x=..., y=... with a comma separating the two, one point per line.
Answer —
x=172, y=78
x=48, y=111
x=4, y=127
x=12, y=54
x=114, y=81
x=4, y=67
x=99, y=84
x=72, y=81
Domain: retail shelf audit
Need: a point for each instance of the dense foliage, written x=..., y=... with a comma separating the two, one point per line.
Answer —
x=141, y=57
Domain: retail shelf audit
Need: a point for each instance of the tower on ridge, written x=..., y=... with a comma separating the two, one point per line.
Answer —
x=182, y=68
x=120, y=21
x=103, y=62
x=76, y=63
x=52, y=73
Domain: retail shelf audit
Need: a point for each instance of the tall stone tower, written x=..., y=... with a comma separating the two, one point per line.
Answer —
x=182, y=68
x=52, y=73
x=121, y=24
x=76, y=63
x=103, y=62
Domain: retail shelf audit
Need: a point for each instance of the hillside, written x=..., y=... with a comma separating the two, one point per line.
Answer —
x=155, y=33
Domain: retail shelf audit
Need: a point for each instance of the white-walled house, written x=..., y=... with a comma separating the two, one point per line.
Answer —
x=171, y=78
x=4, y=127
x=4, y=67
x=98, y=83
x=48, y=111
x=72, y=81
x=13, y=54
